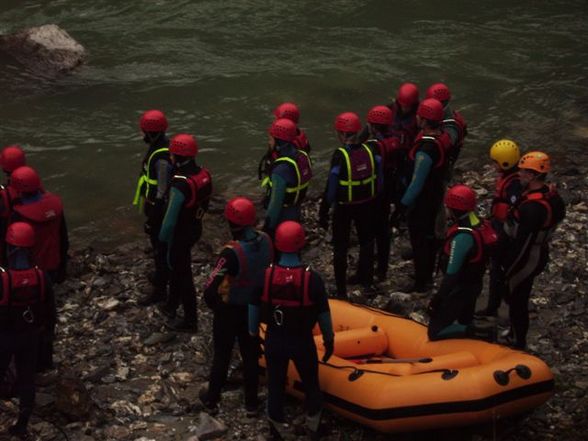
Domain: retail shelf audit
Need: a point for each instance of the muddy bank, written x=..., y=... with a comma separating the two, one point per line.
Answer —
x=122, y=376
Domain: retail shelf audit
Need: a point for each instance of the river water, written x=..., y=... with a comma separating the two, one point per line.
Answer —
x=217, y=68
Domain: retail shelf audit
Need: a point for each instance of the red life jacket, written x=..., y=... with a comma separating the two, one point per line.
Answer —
x=543, y=198
x=46, y=216
x=443, y=143
x=485, y=239
x=200, y=187
x=458, y=121
x=22, y=288
x=389, y=149
x=301, y=142
x=501, y=205
x=287, y=287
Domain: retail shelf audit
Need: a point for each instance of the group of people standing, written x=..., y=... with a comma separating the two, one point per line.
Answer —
x=396, y=169
x=33, y=256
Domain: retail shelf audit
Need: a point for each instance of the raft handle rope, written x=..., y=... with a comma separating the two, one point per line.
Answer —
x=503, y=377
x=446, y=374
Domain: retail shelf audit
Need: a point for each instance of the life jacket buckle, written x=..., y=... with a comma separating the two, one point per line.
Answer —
x=278, y=316
x=28, y=316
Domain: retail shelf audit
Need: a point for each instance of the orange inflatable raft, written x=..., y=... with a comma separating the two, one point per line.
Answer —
x=387, y=375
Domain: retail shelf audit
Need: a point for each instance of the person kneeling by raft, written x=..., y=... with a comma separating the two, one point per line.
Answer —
x=463, y=262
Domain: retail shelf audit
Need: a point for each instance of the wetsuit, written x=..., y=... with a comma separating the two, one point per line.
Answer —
x=529, y=228
x=508, y=190
x=423, y=199
x=152, y=192
x=291, y=312
x=289, y=178
x=355, y=179
x=237, y=276
x=464, y=265
x=181, y=229
x=27, y=310
x=7, y=196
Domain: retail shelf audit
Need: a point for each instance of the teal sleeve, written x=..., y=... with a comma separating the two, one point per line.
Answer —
x=176, y=201
x=254, y=313
x=274, y=207
x=461, y=245
x=455, y=330
x=326, y=324
x=452, y=132
x=422, y=167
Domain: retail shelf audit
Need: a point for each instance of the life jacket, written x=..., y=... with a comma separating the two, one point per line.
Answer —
x=147, y=183
x=200, y=188
x=552, y=218
x=405, y=129
x=501, y=203
x=254, y=257
x=46, y=217
x=7, y=196
x=302, y=166
x=287, y=287
x=485, y=240
x=459, y=123
x=443, y=143
x=389, y=149
x=22, y=297
x=301, y=142
x=361, y=179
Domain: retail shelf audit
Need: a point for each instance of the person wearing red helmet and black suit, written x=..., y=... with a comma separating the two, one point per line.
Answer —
x=151, y=196
x=463, y=261
x=529, y=227
x=189, y=196
x=27, y=309
x=423, y=199
x=292, y=301
x=237, y=276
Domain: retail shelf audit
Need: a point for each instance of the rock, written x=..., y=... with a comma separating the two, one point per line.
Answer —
x=158, y=337
x=209, y=427
x=47, y=50
x=73, y=398
x=117, y=432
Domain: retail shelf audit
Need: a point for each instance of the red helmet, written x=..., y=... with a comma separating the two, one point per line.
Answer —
x=11, y=158
x=347, y=122
x=408, y=94
x=153, y=121
x=240, y=211
x=284, y=129
x=287, y=110
x=431, y=109
x=439, y=91
x=290, y=237
x=460, y=197
x=183, y=145
x=20, y=234
x=380, y=115
x=25, y=180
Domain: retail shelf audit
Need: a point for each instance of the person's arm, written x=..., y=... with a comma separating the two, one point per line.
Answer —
x=176, y=201
x=226, y=265
x=164, y=175
x=276, y=202
x=422, y=167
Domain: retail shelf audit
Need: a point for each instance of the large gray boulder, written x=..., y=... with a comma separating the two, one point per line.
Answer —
x=47, y=49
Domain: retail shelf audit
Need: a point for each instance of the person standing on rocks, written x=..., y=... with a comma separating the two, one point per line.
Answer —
x=463, y=262
x=505, y=154
x=292, y=301
x=189, y=196
x=151, y=196
x=289, y=177
x=27, y=309
x=423, y=199
x=352, y=186
x=530, y=226
x=388, y=145
x=235, y=279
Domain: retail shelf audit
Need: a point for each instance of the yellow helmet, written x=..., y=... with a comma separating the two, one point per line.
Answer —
x=506, y=153
x=536, y=161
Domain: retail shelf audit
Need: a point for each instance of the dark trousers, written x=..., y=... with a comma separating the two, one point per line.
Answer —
x=459, y=305
x=497, y=286
x=229, y=324
x=23, y=347
x=181, y=284
x=152, y=227
x=281, y=347
x=362, y=215
x=383, y=232
x=421, y=228
x=518, y=302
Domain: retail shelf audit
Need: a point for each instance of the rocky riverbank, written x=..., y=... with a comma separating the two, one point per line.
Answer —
x=121, y=376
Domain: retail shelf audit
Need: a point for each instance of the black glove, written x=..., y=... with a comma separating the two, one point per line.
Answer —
x=434, y=305
x=399, y=216
x=324, y=215
x=329, y=348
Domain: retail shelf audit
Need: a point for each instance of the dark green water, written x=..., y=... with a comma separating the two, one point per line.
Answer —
x=217, y=68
